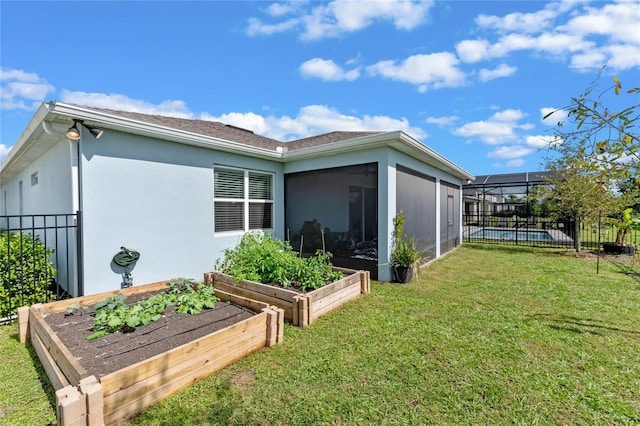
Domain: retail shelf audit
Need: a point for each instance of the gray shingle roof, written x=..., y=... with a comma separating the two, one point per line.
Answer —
x=202, y=127
x=326, y=138
x=232, y=133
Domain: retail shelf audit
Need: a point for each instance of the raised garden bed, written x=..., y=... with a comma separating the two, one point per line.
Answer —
x=301, y=308
x=113, y=378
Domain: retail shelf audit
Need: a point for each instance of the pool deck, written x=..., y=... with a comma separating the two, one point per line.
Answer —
x=558, y=236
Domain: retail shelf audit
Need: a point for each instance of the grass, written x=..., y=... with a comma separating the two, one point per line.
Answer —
x=486, y=335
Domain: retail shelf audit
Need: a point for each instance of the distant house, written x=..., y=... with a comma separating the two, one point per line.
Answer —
x=182, y=191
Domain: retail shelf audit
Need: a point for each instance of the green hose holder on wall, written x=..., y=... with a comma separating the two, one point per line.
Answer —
x=126, y=259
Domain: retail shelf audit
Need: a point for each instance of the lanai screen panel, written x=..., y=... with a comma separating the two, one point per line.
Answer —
x=337, y=205
x=449, y=216
x=416, y=197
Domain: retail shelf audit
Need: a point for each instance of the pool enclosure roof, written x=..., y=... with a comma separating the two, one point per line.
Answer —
x=505, y=184
x=510, y=179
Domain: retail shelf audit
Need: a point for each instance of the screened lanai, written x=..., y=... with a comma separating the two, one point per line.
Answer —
x=336, y=210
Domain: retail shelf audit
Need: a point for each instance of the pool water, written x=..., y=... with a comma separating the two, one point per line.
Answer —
x=510, y=234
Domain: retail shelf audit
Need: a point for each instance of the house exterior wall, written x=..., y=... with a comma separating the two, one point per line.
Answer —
x=47, y=184
x=388, y=160
x=155, y=197
x=396, y=159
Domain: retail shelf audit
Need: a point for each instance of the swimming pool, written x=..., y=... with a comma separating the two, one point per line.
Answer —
x=512, y=234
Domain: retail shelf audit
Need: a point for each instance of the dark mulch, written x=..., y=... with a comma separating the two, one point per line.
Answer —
x=119, y=350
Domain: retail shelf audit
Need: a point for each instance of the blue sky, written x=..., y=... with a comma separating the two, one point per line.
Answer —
x=470, y=79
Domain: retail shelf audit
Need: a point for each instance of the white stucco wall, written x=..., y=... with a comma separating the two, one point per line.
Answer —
x=52, y=194
x=155, y=197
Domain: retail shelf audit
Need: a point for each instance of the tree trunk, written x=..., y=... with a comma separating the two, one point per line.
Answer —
x=576, y=235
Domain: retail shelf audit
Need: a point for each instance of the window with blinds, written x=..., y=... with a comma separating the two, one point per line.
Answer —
x=243, y=200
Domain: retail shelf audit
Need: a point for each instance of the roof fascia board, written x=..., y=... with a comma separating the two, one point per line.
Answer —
x=371, y=141
x=25, y=140
x=130, y=125
x=397, y=139
x=417, y=145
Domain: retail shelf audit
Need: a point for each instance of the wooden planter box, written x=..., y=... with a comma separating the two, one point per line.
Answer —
x=300, y=308
x=83, y=399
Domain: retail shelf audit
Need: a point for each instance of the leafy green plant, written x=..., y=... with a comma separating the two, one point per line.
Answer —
x=625, y=222
x=260, y=258
x=405, y=250
x=25, y=271
x=406, y=253
x=113, y=314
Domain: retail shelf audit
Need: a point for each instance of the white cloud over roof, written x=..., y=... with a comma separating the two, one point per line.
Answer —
x=327, y=70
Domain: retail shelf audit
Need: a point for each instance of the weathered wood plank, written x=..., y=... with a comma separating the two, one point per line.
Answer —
x=254, y=305
x=91, y=389
x=142, y=370
x=334, y=287
x=70, y=407
x=56, y=376
x=129, y=401
x=62, y=305
x=286, y=305
x=23, y=324
x=333, y=301
x=266, y=289
x=72, y=370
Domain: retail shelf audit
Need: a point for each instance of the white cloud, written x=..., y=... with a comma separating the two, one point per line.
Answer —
x=442, y=121
x=503, y=70
x=257, y=27
x=313, y=120
x=618, y=21
x=539, y=141
x=310, y=121
x=471, y=51
x=281, y=9
x=587, y=37
x=327, y=70
x=518, y=162
x=4, y=150
x=435, y=70
x=508, y=152
x=115, y=101
x=558, y=116
x=498, y=129
x=341, y=16
x=22, y=90
x=521, y=22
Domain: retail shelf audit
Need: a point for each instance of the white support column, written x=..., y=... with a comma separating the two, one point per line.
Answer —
x=438, y=218
x=387, y=211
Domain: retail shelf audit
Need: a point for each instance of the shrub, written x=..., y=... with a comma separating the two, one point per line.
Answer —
x=258, y=257
x=26, y=271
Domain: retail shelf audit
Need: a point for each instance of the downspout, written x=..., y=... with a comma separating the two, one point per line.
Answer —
x=76, y=185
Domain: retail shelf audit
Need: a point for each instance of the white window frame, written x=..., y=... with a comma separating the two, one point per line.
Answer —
x=245, y=200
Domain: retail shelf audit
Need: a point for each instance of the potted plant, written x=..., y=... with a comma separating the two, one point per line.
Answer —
x=405, y=255
x=404, y=258
x=625, y=222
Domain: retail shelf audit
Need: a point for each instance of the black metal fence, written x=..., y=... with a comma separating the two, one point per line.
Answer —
x=40, y=259
x=540, y=232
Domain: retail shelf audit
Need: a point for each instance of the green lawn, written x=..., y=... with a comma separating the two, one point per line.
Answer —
x=486, y=335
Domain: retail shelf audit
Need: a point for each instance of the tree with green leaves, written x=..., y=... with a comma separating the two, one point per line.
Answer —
x=604, y=141
x=573, y=191
x=599, y=150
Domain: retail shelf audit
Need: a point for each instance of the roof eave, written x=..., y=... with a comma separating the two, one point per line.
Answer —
x=398, y=140
x=142, y=128
x=24, y=141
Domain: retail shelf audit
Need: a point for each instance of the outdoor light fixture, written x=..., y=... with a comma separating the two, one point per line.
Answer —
x=74, y=132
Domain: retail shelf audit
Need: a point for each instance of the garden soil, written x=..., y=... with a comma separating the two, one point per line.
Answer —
x=117, y=351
